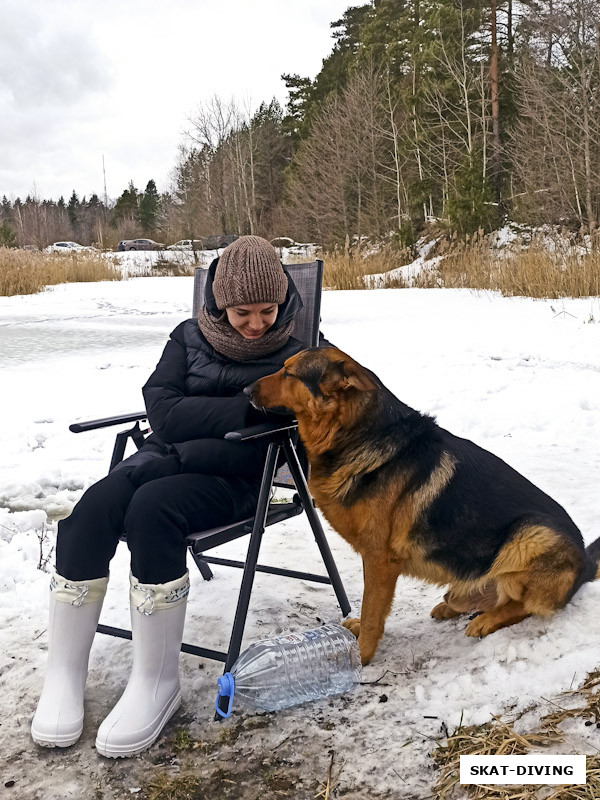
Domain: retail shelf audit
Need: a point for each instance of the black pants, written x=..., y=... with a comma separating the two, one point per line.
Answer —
x=155, y=519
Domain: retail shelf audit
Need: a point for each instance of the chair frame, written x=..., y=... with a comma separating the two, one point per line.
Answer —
x=281, y=441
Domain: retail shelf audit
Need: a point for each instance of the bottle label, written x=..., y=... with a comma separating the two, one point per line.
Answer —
x=296, y=638
x=289, y=638
x=310, y=635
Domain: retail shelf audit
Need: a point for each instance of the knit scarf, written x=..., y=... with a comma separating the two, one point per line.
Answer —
x=231, y=344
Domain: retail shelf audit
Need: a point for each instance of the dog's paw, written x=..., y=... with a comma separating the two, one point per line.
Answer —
x=366, y=654
x=444, y=611
x=353, y=626
x=482, y=625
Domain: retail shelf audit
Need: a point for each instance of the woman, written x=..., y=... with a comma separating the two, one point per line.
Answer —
x=185, y=477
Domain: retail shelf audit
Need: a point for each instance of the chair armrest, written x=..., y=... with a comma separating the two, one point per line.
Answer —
x=259, y=431
x=93, y=424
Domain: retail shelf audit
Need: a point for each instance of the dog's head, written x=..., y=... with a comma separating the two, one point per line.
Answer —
x=314, y=384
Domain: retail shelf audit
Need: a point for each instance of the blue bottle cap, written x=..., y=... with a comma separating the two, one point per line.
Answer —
x=226, y=684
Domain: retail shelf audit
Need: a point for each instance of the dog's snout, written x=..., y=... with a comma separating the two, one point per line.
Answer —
x=248, y=390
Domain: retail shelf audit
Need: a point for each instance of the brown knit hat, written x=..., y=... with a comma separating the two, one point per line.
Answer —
x=249, y=271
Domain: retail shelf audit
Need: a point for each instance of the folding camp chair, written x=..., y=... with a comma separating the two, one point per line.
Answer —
x=281, y=438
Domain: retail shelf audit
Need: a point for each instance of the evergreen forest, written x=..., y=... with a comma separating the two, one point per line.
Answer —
x=462, y=113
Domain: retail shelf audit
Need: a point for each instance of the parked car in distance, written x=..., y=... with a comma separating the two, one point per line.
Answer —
x=65, y=247
x=226, y=239
x=187, y=244
x=140, y=244
x=283, y=241
x=222, y=240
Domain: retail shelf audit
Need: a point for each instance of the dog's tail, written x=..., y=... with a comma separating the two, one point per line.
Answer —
x=593, y=551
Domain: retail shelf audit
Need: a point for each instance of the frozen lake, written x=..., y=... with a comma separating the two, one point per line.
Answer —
x=27, y=341
x=50, y=325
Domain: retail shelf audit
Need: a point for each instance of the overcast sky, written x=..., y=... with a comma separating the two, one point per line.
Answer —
x=82, y=79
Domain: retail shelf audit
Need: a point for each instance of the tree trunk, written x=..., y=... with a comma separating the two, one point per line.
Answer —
x=585, y=104
x=550, y=40
x=495, y=103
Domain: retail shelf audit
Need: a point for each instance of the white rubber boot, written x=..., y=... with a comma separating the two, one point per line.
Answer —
x=152, y=694
x=74, y=612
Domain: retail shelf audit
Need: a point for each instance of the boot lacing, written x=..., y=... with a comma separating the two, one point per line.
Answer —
x=83, y=591
x=149, y=598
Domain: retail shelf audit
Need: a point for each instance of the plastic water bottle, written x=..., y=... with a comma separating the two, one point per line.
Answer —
x=291, y=669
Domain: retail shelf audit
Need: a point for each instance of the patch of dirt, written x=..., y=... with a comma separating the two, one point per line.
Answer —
x=226, y=762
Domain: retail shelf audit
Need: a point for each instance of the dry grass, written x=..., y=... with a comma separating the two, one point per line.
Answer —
x=182, y=787
x=537, y=271
x=493, y=738
x=345, y=269
x=533, y=272
x=499, y=738
x=589, y=711
x=164, y=267
x=29, y=272
x=550, y=270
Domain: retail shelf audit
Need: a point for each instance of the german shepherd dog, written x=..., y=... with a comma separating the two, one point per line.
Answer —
x=413, y=499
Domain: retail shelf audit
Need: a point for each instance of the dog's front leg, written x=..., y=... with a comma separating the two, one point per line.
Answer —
x=380, y=576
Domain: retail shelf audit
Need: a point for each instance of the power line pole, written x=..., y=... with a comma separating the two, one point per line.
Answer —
x=105, y=202
x=104, y=174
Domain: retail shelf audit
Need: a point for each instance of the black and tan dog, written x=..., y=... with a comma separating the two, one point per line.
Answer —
x=413, y=499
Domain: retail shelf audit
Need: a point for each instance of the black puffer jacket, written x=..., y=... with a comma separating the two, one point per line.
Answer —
x=194, y=397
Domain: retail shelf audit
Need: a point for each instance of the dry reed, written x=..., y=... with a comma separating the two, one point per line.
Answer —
x=543, y=270
x=29, y=272
x=345, y=269
x=537, y=271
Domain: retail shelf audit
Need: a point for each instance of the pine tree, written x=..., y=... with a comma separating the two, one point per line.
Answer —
x=273, y=148
x=8, y=238
x=190, y=193
x=306, y=97
x=73, y=209
x=149, y=208
x=126, y=207
x=5, y=208
x=299, y=89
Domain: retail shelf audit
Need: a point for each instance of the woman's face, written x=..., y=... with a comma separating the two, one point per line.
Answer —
x=254, y=320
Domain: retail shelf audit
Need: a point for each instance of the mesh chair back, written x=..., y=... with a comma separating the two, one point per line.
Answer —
x=306, y=277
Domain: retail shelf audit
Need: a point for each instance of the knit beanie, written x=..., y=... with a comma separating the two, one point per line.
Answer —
x=249, y=271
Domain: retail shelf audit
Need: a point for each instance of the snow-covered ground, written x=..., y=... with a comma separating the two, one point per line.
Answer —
x=136, y=263
x=521, y=377
x=407, y=272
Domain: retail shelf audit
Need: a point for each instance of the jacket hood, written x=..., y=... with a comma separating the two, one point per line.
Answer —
x=287, y=310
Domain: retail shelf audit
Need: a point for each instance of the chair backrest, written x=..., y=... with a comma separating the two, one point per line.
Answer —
x=307, y=278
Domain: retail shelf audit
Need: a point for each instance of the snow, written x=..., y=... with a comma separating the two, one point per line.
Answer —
x=520, y=377
x=407, y=272
x=140, y=263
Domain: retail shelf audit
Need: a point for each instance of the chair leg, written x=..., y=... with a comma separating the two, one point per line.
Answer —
x=315, y=524
x=205, y=570
x=258, y=529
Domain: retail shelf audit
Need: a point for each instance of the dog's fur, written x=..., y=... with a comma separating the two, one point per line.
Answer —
x=413, y=499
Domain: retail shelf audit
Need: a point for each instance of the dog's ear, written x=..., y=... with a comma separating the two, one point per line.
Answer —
x=344, y=375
